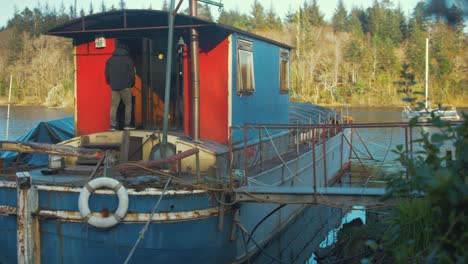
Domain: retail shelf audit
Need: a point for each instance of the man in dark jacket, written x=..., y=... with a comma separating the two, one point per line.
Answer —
x=120, y=74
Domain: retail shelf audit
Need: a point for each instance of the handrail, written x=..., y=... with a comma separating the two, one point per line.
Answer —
x=124, y=168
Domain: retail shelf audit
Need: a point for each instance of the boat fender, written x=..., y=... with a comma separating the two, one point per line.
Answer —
x=97, y=221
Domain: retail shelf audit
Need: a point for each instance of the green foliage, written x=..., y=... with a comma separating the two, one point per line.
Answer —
x=431, y=221
x=360, y=56
x=257, y=18
x=313, y=14
x=234, y=18
x=410, y=230
x=340, y=20
x=204, y=12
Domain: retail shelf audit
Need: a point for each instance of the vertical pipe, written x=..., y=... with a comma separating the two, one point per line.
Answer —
x=144, y=82
x=9, y=97
x=411, y=140
x=341, y=149
x=260, y=135
x=298, y=137
x=246, y=161
x=426, y=83
x=125, y=18
x=314, y=159
x=195, y=74
x=324, y=143
x=8, y=111
x=179, y=164
x=320, y=130
x=28, y=247
x=149, y=92
x=231, y=178
x=197, y=165
x=168, y=70
x=406, y=148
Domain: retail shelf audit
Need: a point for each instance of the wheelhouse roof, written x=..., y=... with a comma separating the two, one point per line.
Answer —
x=142, y=23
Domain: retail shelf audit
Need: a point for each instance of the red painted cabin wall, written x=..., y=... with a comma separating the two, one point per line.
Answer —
x=213, y=93
x=93, y=97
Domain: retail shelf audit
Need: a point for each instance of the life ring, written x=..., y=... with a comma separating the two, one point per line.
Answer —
x=117, y=216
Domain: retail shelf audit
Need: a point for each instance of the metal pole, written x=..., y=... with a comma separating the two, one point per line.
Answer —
x=246, y=161
x=195, y=72
x=28, y=235
x=168, y=71
x=426, y=84
x=406, y=149
x=314, y=159
x=231, y=156
x=324, y=143
x=8, y=111
x=260, y=135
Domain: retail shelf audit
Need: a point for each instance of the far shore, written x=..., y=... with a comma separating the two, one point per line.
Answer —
x=70, y=106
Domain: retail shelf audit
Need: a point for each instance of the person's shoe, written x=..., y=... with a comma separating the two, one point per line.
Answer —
x=113, y=128
x=129, y=127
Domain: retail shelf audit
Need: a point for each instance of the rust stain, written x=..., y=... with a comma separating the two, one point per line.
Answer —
x=105, y=212
x=136, y=217
x=7, y=210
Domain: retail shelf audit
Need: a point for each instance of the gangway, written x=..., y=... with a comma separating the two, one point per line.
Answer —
x=308, y=195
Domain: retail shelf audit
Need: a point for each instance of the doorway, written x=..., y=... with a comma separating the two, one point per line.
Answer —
x=149, y=57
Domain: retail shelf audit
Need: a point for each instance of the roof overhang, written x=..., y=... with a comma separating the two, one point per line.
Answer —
x=141, y=23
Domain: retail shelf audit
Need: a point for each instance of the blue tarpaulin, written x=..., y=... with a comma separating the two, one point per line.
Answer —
x=52, y=131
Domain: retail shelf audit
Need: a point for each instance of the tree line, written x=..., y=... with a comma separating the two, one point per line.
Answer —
x=370, y=56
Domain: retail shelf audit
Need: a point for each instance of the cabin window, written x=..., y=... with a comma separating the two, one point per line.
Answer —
x=245, y=67
x=284, y=71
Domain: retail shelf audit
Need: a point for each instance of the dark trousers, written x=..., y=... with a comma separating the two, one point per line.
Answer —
x=126, y=96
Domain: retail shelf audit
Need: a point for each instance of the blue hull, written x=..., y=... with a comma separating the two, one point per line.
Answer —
x=171, y=242
x=185, y=228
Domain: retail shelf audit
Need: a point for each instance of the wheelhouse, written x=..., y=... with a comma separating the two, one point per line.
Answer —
x=243, y=78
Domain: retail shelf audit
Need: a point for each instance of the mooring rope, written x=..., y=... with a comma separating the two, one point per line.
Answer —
x=145, y=227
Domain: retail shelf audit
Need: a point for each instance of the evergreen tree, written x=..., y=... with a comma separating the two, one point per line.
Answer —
x=290, y=16
x=122, y=5
x=103, y=6
x=354, y=23
x=91, y=9
x=62, y=14
x=407, y=80
x=82, y=12
x=165, y=6
x=72, y=12
x=455, y=18
x=313, y=14
x=204, y=12
x=339, y=20
x=437, y=8
x=272, y=20
x=419, y=18
x=401, y=19
x=415, y=52
x=234, y=18
x=257, y=16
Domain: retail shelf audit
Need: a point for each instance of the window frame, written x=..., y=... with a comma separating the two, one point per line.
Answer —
x=284, y=56
x=245, y=46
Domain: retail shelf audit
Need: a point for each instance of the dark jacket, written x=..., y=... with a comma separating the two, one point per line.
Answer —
x=120, y=70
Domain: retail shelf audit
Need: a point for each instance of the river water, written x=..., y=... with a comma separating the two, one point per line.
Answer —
x=24, y=118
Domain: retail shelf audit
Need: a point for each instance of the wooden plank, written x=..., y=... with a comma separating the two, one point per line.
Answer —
x=45, y=148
